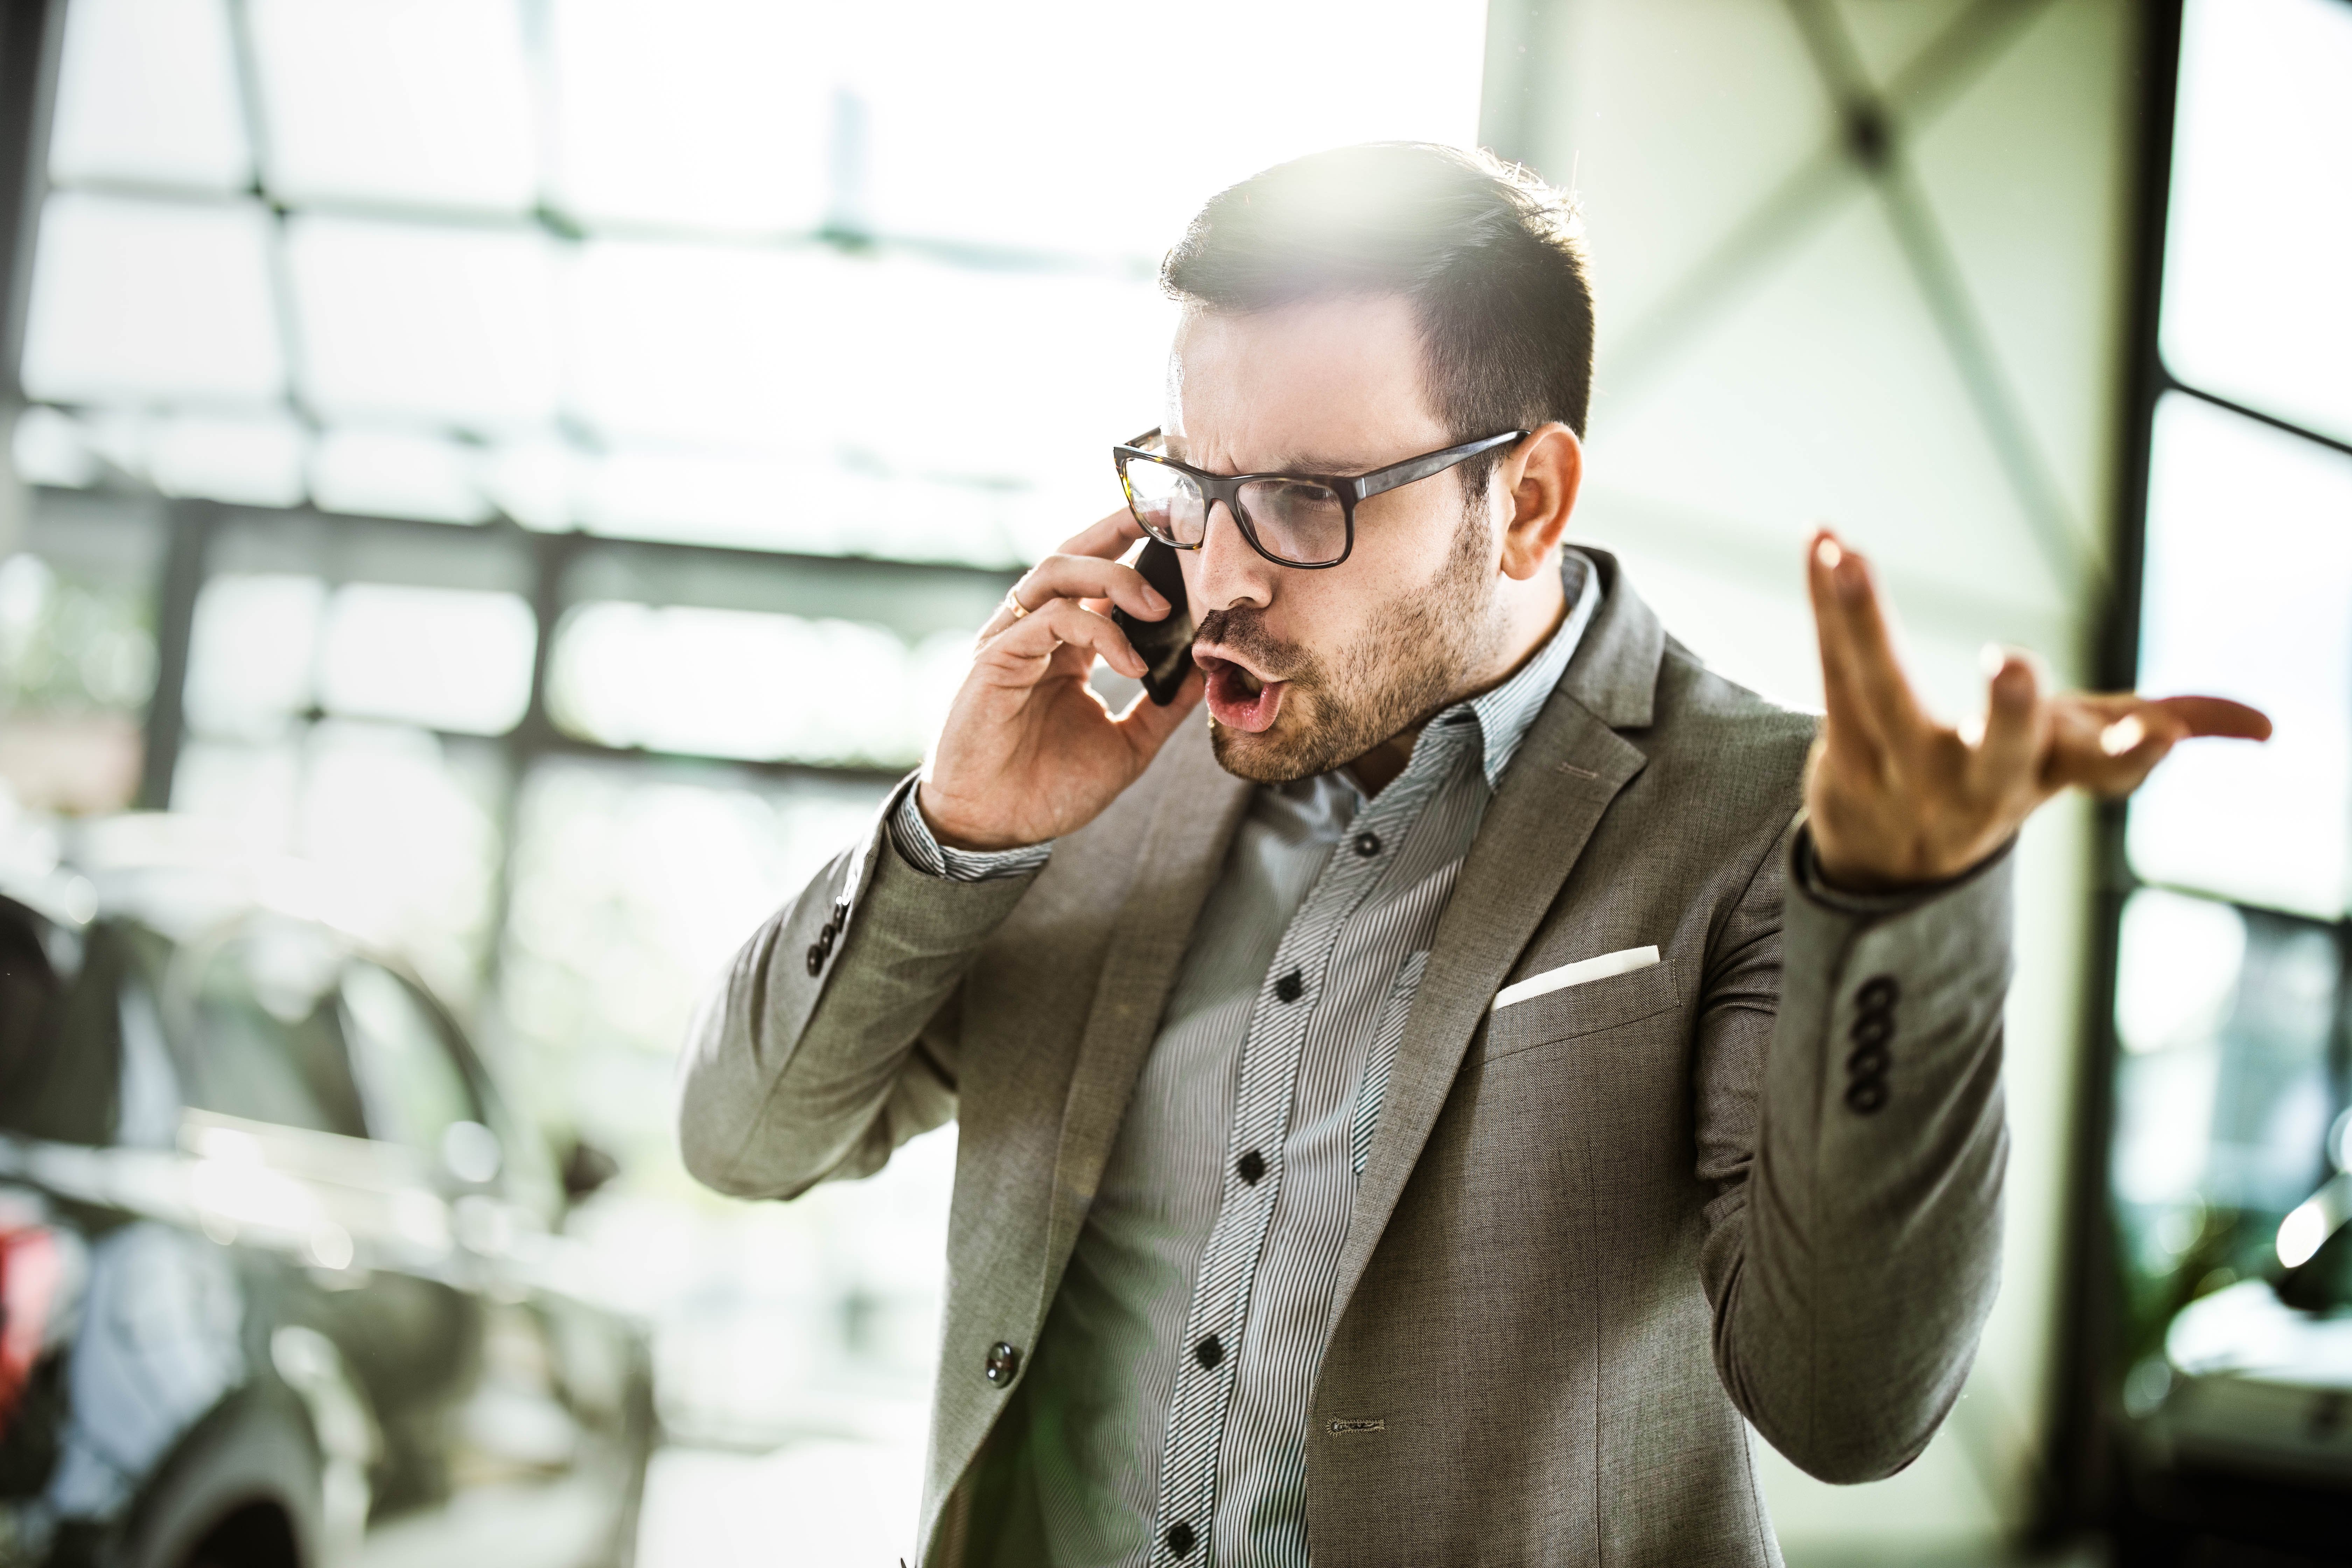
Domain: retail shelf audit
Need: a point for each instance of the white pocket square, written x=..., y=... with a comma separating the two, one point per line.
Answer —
x=1582, y=972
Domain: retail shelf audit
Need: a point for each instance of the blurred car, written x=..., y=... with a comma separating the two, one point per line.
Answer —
x=281, y=1277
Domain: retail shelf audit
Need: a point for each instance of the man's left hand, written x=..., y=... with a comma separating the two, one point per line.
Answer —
x=1895, y=798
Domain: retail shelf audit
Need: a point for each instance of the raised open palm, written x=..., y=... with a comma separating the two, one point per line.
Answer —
x=1896, y=797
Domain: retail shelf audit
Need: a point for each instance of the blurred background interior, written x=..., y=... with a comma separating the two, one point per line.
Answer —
x=513, y=481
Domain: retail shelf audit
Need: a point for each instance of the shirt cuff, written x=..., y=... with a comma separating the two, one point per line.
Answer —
x=919, y=848
x=1816, y=887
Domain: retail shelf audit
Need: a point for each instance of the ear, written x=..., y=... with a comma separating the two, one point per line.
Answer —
x=1540, y=482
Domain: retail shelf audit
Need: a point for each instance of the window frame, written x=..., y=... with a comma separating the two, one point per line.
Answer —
x=2088, y=1461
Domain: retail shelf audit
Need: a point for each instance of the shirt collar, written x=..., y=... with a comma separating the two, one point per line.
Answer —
x=1496, y=721
x=1504, y=714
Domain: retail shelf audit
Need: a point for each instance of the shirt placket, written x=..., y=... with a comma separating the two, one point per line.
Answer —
x=1208, y=1363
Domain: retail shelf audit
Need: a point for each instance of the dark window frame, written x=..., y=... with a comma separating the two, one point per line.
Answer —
x=2091, y=1483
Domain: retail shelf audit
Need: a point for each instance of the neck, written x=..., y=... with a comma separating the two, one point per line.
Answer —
x=1526, y=613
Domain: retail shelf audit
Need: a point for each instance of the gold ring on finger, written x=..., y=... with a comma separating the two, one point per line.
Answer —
x=1014, y=604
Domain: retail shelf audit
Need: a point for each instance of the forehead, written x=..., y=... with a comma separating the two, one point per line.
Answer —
x=1328, y=384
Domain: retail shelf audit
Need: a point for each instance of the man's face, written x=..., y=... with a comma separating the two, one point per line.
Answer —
x=1309, y=669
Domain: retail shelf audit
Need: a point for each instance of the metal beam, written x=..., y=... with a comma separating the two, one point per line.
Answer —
x=1920, y=91
x=191, y=525
x=2085, y=1377
x=31, y=34
x=1873, y=142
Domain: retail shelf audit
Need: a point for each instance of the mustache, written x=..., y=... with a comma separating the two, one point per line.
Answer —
x=1244, y=631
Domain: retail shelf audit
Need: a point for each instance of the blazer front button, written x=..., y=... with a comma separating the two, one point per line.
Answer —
x=1003, y=1365
x=815, y=958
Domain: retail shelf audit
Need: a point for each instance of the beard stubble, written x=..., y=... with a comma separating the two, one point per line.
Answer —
x=1396, y=675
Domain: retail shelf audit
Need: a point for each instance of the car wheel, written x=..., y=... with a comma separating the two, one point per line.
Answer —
x=241, y=1492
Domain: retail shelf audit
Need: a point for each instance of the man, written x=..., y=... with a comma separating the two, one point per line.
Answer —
x=1414, y=1115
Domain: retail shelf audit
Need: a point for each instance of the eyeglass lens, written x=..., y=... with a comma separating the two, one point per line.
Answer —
x=1292, y=519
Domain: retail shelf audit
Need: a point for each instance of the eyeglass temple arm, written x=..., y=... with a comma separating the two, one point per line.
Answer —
x=1420, y=467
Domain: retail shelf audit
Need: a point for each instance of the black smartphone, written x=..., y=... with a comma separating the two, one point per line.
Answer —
x=1165, y=645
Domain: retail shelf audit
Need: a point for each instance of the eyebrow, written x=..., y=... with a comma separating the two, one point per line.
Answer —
x=1298, y=463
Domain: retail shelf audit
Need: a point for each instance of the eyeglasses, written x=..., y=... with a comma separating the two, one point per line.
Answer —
x=1292, y=520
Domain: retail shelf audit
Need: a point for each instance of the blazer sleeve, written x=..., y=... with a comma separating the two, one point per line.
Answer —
x=1849, y=1121
x=833, y=1037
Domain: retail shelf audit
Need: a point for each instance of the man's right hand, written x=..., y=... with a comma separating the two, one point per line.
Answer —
x=1029, y=751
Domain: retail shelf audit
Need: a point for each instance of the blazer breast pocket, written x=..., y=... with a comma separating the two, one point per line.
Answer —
x=1586, y=1009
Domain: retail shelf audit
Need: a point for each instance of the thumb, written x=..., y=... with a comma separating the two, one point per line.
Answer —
x=1146, y=725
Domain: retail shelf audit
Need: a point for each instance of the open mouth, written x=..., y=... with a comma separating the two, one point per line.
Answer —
x=1239, y=698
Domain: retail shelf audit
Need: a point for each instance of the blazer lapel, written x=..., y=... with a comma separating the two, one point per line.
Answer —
x=1568, y=770
x=1182, y=856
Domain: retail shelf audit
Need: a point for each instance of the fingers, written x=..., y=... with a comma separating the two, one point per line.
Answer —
x=1862, y=677
x=1086, y=578
x=1026, y=647
x=2217, y=716
x=2108, y=743
x=2015, y=725
x=1849, y=711
x=1109, y=538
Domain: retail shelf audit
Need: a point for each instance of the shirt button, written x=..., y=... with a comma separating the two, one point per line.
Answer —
x=1209, y=1351
x=1368, y=845
x=1291, y=986
x=1179, y=1538
x=1250, y=1167
x=1003, y=1365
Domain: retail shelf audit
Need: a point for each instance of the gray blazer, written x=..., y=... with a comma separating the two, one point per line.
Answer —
x=1760, y=1178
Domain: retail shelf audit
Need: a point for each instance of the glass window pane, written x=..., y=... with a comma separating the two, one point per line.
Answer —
x=403, y=829
x=809, y=508
x=446, y=325
x=2248, y=593
x=251, y=649
x=425, y=101
x=2222, y=1098
x=147, y=90
x=266, y=1043
x=447, y=658
x=413, y=1088
x=256, y=461
x=533, y=482
x=916, y=367
x=76, y=666
x=710, y=344
x=733, y=683
x=391, y=830
x=2255, y=309
x=631, y=891
x=708, y=113
x=134, y=300
x=1019, y=377
x=631, y=887
x=49, y=447
x=386, y=474
x=982, y=135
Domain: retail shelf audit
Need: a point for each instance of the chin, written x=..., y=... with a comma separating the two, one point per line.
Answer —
x=1270, y=757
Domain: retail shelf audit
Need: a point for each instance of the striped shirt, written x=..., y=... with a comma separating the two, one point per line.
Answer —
x=1169, y=1393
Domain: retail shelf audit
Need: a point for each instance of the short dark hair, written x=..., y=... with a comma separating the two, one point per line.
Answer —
x=1490, y=256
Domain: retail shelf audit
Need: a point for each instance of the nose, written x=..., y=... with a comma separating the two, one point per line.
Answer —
x=1227, y=573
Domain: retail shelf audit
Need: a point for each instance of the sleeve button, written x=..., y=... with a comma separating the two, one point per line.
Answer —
x=1003, y=1365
